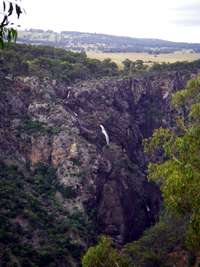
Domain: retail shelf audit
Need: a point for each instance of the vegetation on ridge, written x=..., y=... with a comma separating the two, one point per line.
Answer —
x=66, y=66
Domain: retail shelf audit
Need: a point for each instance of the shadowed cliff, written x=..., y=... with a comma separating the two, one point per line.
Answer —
x=51, y=133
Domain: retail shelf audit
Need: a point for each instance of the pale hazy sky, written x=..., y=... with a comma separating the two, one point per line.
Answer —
x=176, y=20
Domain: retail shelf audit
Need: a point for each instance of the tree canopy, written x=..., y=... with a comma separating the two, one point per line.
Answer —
x=104, y=254
x=178, y=171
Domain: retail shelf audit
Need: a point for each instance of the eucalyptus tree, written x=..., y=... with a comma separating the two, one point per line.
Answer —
x=10, y=11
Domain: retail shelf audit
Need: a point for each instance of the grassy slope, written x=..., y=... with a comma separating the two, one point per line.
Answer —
x=168, y=58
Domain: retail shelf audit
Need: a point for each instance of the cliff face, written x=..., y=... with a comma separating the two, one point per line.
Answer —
x=61, y=127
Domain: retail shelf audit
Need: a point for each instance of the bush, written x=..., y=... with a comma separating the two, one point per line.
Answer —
x=153, y=247
x=103, y=254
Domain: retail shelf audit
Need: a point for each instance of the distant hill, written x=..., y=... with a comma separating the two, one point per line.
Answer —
x=82, y=41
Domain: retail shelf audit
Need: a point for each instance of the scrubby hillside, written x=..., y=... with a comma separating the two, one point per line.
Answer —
x=44, y=61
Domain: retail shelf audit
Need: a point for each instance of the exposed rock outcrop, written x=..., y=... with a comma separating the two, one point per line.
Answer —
x=45, y=122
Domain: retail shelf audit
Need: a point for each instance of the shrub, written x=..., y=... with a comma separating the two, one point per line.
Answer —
x=104, y=254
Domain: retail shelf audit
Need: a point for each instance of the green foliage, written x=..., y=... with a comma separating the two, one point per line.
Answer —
x=133, y=67
x=8, y=34
x=79, y=221
x=178, y=171
x=29, y=213
x=67, y=191
x=44, y=179
x=68, y=66
x=30, y=126
x=153, y=247
x=12, y=63
x=33, y=126
x=151, y=250
x=43, y=61
x=104, y=254
x=7, y=31
x=177, y=66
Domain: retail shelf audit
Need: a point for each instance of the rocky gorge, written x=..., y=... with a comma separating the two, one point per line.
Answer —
x=55, y=136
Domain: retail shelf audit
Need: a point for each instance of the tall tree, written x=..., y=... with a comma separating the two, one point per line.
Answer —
x=178, y=171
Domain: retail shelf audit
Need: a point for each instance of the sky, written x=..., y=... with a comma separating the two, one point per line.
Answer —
x=175, y=20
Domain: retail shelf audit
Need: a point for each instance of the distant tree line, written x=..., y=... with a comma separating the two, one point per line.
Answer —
x=54, y=63
x=68, y=66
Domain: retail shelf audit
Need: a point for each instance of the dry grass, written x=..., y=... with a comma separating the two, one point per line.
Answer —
x=168, y=58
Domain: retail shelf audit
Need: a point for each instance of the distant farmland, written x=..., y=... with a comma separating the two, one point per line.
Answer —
x=147, y=58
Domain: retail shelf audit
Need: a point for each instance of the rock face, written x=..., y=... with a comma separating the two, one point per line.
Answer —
x=45, y=122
